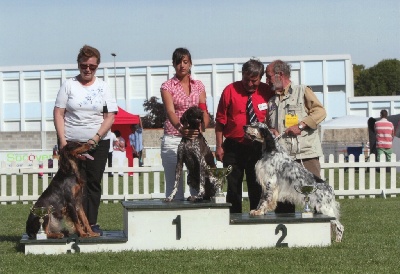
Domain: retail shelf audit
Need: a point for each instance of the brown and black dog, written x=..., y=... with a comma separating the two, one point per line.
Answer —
x=198, y=158
x=63, y=197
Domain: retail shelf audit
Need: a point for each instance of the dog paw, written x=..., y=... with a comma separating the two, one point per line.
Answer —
x=85, y=235
x=56, y=235
x=60, y=235
x=255, y=212
x=94, y=234
x=194, y=199
x=198, y=199
x=190, y=198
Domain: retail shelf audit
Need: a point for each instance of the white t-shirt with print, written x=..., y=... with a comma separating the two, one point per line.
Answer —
x=84, y=108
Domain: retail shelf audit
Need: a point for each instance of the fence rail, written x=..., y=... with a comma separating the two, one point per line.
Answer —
x=24, y=183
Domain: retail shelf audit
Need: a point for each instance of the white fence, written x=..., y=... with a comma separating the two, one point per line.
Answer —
x=348, y=178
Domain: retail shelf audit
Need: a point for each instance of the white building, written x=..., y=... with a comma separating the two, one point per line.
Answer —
x=27, y=93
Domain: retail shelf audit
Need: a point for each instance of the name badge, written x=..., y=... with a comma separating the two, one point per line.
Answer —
x=291, y=120
x=263, y=106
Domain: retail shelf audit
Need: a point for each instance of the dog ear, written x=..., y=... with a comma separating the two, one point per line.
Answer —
x=184, y=119
x=263, y=131
x=65, y=154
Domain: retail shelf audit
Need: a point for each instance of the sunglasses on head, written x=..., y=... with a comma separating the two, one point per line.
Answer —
x=90, y=66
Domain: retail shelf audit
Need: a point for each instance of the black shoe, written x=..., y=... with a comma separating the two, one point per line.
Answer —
x=96, y=229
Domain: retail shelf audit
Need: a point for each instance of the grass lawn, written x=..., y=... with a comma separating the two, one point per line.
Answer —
x=371, y=244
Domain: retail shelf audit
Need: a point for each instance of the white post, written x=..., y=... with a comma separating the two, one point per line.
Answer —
x=115, y=76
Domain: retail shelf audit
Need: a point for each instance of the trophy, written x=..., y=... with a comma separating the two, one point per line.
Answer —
x=306, y=190
x=220, y=175
x=41, y=212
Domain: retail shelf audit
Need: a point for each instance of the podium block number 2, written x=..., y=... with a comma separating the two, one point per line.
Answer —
x=281, y=227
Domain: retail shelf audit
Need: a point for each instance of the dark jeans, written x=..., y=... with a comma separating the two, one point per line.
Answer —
x=94, y=173
x=243, y=158
x=110, y=157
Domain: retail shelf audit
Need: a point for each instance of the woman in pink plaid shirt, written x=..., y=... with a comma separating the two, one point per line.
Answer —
x=178, y=94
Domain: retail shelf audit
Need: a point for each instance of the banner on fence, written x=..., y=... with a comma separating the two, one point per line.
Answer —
x=24, y=158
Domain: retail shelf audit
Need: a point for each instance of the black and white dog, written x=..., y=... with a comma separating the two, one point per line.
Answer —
x=278, y=174
x=198, y=158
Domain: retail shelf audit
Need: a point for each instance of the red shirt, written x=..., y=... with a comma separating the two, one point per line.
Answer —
x=231, y=110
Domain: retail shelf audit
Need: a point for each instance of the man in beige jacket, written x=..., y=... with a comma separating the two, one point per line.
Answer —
x=295, y=111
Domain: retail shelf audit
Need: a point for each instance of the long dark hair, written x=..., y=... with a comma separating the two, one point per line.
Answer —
x=179, y=54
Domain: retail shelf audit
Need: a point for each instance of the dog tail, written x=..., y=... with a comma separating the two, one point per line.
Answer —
x=32, y=225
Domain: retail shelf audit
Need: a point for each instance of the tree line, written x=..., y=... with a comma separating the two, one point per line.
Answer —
x=383, y=79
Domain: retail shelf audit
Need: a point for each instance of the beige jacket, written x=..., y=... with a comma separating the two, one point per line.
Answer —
x=298, y=100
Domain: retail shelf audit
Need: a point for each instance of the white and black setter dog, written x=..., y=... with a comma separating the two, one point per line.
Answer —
x=198, y=158
x=63, y=198
x=278, y=174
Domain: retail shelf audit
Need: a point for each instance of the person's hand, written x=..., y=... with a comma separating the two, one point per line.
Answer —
x=275, y=132
x=190, y=133
x=92, y=143
x=219, y=153
x=293, y=131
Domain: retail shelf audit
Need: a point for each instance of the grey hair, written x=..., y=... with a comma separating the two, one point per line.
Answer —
x=253, y=67
x=279, y=66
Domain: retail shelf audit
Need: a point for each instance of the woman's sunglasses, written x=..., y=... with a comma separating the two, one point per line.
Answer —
x=90, y=66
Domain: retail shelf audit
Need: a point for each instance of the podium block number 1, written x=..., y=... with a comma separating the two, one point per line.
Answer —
x=177, y=222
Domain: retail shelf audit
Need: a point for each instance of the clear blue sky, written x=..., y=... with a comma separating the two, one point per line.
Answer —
x=41, y=32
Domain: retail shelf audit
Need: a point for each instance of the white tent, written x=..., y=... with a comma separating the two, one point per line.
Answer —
x=348, y=121
x=344, y=122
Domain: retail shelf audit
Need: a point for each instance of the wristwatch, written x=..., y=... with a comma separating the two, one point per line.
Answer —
x=301, y=127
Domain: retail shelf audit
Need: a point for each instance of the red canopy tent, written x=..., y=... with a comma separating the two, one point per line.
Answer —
x=123, y=121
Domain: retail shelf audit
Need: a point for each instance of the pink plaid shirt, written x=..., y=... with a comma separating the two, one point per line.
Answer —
x=181, y=101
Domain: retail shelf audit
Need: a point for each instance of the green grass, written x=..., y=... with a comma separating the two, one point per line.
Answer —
x=371, y=244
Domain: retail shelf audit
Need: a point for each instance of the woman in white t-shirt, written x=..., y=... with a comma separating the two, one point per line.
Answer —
x=84, y=112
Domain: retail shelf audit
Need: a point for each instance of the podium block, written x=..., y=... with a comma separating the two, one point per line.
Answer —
x=177, y=225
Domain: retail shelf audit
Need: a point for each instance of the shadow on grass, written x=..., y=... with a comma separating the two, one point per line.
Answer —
x=14, y=239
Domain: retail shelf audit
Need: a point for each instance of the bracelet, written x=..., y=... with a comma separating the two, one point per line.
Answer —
x=218, y=145
x=98, y=135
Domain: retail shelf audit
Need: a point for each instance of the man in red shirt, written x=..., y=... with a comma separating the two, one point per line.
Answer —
x=242, y=154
